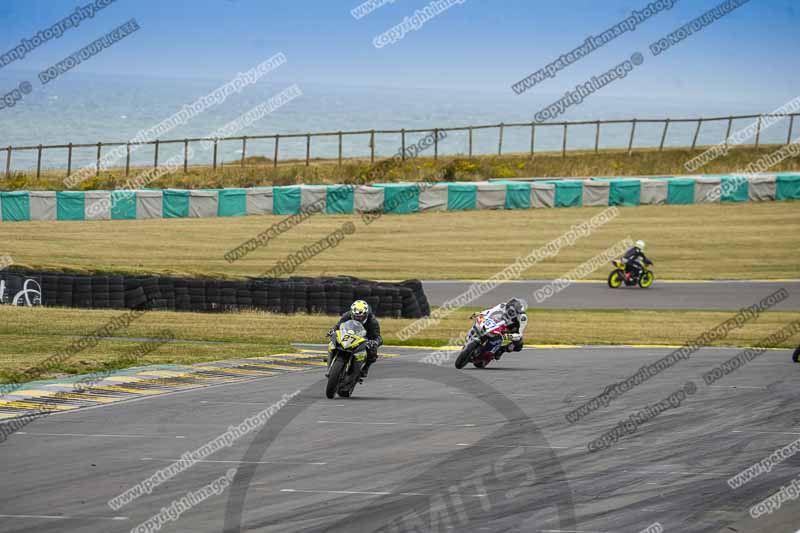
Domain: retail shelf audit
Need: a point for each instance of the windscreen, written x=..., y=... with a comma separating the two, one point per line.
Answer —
x=355, y=326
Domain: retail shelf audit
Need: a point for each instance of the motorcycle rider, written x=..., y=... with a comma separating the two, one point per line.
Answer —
x=361, y=312
x=633, y=259
x=516, y=320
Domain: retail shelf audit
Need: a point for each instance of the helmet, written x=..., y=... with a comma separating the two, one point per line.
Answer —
x=515, y=307
x=360, y=310
x=640, y=244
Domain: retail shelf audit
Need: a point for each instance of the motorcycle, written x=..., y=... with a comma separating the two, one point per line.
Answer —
x=346, y=343
x=488, y=335
x=619, y=276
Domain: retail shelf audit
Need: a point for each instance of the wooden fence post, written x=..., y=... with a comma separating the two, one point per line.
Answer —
x=39, y=161
x=500, y=145
x=155, y=159
x=185, y=156
x=69, y=159
x=533, y=137
x=436, y=144
x=97, y=165
x=789, y=136
x=275, y=158
x=308, y=149
x=8, y=162
x=564, y=142
x=597, y=137
x=758, y=131
x=340, y=148
x=216, y=143
x=630, y=141
x=127, y=158
x=372, y=147
x=663, y=135
x=696, y=133
x=470, y=142
x=244, y=149
x=403, y=144
x=728, y=132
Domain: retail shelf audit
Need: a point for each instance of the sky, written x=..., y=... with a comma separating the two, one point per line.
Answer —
x=749, y=55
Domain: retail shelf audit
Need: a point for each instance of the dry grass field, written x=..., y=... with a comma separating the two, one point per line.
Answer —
x=728, y=241
x=30, y=335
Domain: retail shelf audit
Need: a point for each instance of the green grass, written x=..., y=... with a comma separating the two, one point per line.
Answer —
x=705, y=241
x=259, y=170
x=29, y=335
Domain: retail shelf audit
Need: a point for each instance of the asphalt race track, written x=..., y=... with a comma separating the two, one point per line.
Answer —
x=710, y=295
x=421, y=447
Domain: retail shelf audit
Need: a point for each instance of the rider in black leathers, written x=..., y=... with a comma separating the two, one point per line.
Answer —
x=633, y=259
x=361, y=312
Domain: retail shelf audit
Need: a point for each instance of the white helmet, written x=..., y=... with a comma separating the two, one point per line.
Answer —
x=640, y=244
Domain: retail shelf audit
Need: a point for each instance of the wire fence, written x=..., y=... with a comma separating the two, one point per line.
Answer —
x=502, y=129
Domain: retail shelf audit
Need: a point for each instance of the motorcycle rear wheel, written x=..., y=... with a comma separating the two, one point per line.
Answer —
x=337, y=367
x=615, y=279
x=466, y=354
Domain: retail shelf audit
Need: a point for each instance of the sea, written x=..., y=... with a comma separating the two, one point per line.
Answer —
x=85, y=108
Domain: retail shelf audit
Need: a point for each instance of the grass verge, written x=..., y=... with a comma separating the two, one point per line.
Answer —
x=260, y=170
x=29, y=335
x=701, y=241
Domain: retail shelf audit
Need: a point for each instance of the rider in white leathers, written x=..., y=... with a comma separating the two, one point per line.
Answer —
x=516, y=320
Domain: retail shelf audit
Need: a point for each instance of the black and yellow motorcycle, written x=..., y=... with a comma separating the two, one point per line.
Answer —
x=644, y=278
x=347, y=345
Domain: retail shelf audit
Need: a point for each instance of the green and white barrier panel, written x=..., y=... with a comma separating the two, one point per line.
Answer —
x=396, y=198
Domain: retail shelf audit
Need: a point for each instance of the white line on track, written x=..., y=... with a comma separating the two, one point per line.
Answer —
x=63, y=517
x=396, y=423
x=233, y=403
x=238, y=462
x=769, y=432
x=102, y=435
x=640, y=471
x=567, y=531
x=353, y=492
x=376, y=493
x=734, y=387
x=512, y=446
x=266, y=403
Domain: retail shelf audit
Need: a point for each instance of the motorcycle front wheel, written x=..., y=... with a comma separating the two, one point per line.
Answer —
x=615, y=279
x=466, y=354
x=646, y=279
x=334, y=377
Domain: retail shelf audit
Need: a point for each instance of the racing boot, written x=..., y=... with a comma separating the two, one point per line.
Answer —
x=365, y=370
